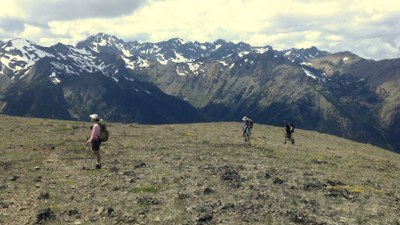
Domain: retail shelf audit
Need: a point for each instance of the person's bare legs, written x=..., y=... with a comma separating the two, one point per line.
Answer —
x=98, y=157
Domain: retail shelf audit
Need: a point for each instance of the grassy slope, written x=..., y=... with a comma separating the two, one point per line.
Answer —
x=193, y=174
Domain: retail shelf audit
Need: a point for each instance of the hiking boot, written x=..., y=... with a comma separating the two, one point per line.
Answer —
x=98, y=166
x=292, y=141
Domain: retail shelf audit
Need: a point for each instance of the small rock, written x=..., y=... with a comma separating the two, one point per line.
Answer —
x=267, y=176
x=109, y=210
x=14, y=178
x=228, y=206
x=230, y=175
x=113, y=169
x=140, y=165
x=44, y=195
x=38, y=179
x=296, y=216
x=278, y=181
x=116, y=188
x=317, y=161
x=45, y=214
x=128, y=173
x=335, y=183
x=208, y=190
x=183, y=195
x=73, y=212
x=148, y=201
x=205, y=218
x=4, y=205
x=36, y=168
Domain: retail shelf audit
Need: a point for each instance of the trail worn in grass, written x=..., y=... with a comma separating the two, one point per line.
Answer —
x=191, y=174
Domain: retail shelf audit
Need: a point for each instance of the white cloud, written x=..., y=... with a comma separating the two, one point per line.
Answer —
x=10, y=8
x=333, y=25
x=333, y=37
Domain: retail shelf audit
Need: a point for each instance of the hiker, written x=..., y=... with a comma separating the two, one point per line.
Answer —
x=94, y=139
x=246, y=128
x=288, y=131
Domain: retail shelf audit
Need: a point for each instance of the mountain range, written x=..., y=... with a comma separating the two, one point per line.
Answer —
x=177, y=81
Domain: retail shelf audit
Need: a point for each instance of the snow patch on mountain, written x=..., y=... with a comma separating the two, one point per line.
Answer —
x=194, y=67
x=261, y=50
x=243, y=53
x=223, y=63
x=143, y=63
x=161, y=59
x=128, y=64
x=288, y=53
x=130, y=79
x=115, y=79
x=179, y=58
x=126, y=52
x=180, y=73
x=309, y=74
x=53, y=77
x=306, y=63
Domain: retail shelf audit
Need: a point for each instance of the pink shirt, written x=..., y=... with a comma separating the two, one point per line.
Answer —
x=95, y=132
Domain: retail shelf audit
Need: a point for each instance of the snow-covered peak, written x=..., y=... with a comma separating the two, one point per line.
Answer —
x=104, y=43
x=107, y=40
x=18, y=55
x=25, y=48
x=303, y=55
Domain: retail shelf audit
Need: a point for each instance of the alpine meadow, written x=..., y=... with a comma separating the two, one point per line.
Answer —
x=191, y=174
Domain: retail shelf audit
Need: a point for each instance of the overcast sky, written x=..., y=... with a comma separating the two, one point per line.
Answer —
x=369, y=28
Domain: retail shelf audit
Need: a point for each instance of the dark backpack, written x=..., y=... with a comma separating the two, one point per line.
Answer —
x=250, y=123
x=104, y=133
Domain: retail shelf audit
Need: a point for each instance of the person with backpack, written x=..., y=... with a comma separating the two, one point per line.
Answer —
x=247, y=127
x=288, y=130
x=94, y=139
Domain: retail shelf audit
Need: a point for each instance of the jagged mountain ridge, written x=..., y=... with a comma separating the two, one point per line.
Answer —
x=315, y=89
x=230, y=80
x=69, y=83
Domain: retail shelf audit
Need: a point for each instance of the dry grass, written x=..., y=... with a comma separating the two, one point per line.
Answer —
x=193, y=174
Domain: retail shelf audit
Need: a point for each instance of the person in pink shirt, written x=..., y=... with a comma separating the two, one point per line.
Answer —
x=94, y=139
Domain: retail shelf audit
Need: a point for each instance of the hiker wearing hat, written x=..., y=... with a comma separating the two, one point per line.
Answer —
x=288, y=130
x=94, y=139
x=246, y=128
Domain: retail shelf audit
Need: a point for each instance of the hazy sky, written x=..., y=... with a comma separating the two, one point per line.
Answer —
x=369, y=28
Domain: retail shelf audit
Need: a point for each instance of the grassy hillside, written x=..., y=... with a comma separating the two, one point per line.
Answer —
x=191, y=174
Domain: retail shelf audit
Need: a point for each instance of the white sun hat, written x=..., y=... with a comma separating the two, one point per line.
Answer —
x=94, y=116
x=244, y=118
